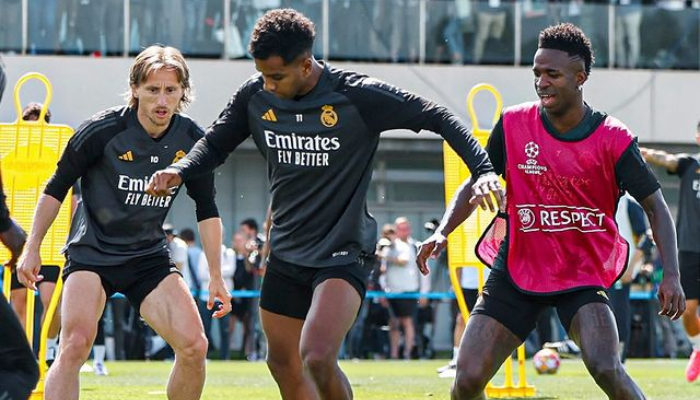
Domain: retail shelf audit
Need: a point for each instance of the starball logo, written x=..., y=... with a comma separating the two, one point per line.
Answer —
x=531, y=167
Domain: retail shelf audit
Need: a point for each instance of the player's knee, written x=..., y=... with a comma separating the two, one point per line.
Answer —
x=194, y=348
x=606, y=369
x=283, y=367
x=318, y=359
x=468, y=384
x=76, y=346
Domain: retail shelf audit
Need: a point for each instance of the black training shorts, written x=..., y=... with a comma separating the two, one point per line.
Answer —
x=689, y=265
x=49, y=272
x=136, y=278
x=519, y=311
x=287, y=288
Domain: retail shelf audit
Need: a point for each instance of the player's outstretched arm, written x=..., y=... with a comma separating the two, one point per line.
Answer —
x=660, y=158
x=30, y=262
x=671, y=296
x=460, y=208
x=210, y=231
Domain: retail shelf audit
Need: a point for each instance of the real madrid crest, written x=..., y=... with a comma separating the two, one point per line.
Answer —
x=178, y=156
x=328, y=117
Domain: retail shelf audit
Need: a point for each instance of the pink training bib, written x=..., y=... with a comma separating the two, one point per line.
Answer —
x=561, y=202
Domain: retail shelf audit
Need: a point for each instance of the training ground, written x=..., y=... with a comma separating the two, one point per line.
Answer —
x=660, y=379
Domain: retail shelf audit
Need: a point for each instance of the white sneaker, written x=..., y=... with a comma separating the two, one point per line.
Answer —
x=100, y=369
x=86, y=368
x=448, y=374
x=51, y=353
x=452, y=365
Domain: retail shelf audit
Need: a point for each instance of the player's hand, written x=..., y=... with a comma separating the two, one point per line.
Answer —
x=671, y=297
x=430, y=248
x=162, y=181
x=14, y=239
x=486, y=186
x=218, y=290
x=28, y=269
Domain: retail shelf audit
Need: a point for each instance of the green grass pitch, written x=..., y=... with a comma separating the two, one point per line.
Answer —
x=378, y=380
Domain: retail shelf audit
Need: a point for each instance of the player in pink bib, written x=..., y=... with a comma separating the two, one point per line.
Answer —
x=557, y=243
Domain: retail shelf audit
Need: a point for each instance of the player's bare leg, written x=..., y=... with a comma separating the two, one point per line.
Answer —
x=19, y=304
x=334, y=307
x=170, y=310
x=284, y=358
x=485, y=345
x=593, y=329
x=46, y=290
x=83, y=302
x=691, y=323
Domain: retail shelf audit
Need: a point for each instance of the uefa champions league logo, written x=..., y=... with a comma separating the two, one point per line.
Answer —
x=527, y=217
x=532, y=150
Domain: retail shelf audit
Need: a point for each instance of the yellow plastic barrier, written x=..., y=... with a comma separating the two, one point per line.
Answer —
x=29, y=151
x=461, y=243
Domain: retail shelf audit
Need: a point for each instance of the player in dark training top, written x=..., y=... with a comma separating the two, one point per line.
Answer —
x=687, y=167
x=19, y=371
x=117, y=243
x=318, y=127
x=566, y=166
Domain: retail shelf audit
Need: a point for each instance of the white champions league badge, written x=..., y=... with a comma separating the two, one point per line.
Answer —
x=531, y=167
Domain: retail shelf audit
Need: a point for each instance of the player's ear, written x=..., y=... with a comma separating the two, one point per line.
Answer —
x=307, y=65
x=134, y=93
x=581, y=78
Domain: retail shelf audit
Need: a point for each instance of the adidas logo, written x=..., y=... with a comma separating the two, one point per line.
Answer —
x=128, y=156
x=270, y=116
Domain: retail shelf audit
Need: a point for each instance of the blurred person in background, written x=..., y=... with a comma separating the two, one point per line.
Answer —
x=402, y=276
x=687, y=168
x=243, y=279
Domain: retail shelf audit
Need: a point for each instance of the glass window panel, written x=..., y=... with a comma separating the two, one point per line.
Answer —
x=674, y=41
x=312, y=9
x=10, y=26
x=374, y=30
x=492, y=31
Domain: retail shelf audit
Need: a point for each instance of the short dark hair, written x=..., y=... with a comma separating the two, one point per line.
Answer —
x=250, y=223
x=286, y=33
x=34, y=110
x=187, y=235
x=569, y=38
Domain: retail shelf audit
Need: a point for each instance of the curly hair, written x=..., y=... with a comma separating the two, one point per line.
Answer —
x=569, y=38
x=286, y=33
x=155, y=58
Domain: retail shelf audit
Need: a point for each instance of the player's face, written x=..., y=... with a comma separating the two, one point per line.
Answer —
x=238, y=242
x=285, y=81
x=403, y=230
x=159, y=97
x=558, y=77
x=697, y=137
